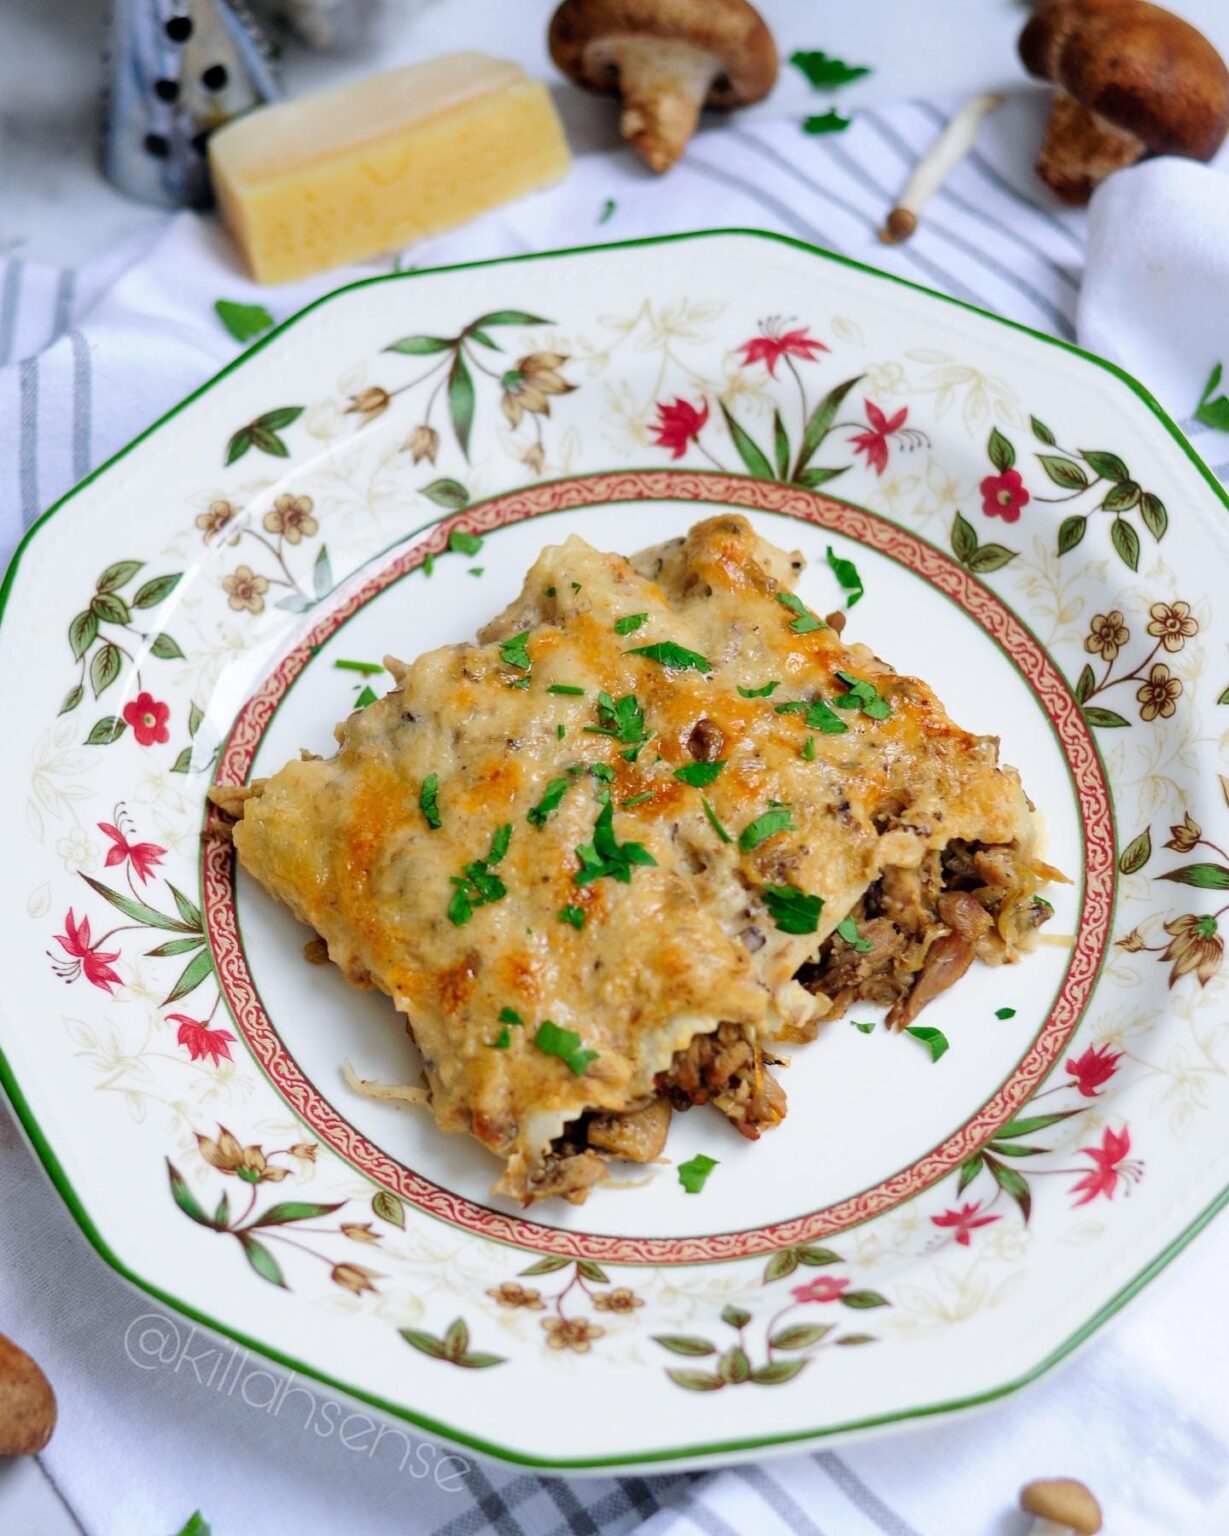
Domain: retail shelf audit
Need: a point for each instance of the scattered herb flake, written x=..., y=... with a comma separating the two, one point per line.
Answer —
x=608, y=208
x=569, y=689
x=847, y=928
x=825, y=72
x=499, y=843
x=863, y=1028
x=427, y=801
x=367, y=696
x=792, y=910
x=605, y=856
x=699, y=775
x=515, y=652
x=519, y=682
x=805, y=621
x=622, y=718
x=552, y=799
x=510, y=1016
x=639, y=799
x=602, y=771
x=243, y=321
x=561, y=730
x=428, y=564
x=862, y=695
x=693, y=1174
x=764, y=692
x=564, y=1043
x=630, y=621
x=476, y=570
x=808, y=750
x=367, y=668
x=462, y=543
x=830, y=121
x=576, y=586
x=846, y=572
x=668, y=653
x=764, y=827
x=934, y=1040
x=1213, y=413
x=630, y=754
x=575, y=916
x=501, y=1042
x=1004, y=1013
x=550, y=592
x=713, y=822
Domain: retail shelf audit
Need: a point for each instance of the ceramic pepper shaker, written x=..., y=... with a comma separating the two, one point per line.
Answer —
x=178, y=69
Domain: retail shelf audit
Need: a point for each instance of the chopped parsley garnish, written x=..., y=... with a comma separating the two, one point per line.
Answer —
x=501, y=1042
x=569, y=689
x=934, y=1040
x=862, y=695
x=846, y=572
x=713, y=822
x=630, y=621
x=510, y=1016
x=576, y=586
x=818, y=715
x=427, y=803
x=605, y=856
x=765, y=692
x=792, y=910
x=515, y=653
x=367, y=668
x=847, y=928
x=550, y=592
x=367, y=696
x=1040, y=901
x=805, y=622
x=477, y=886
x=551, y=800
x=561, y=730
x=639, y=799
x=764, y=827
x=667, y=653
x=476, y=570
x=1004, y=1013
x=519, y=682
x=575, y=916
x=428, y=564
x=863, y=1027
x=462, y=543
x=621, y=718
x=808, y=750
x=698, y=775
x=602, y=771
x=630, y=754
x=564, y=1043
x=693, y=1174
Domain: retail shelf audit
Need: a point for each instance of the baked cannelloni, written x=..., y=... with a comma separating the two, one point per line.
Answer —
x=660, y=820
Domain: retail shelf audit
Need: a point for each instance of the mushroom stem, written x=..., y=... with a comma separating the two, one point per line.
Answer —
x=937, y=164
x=1081, y=148
x=663, y=83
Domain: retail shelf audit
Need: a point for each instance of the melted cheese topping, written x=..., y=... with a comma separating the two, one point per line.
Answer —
x=688, y=941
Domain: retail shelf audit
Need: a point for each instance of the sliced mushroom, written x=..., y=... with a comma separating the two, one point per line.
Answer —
x=1063, y=1507
x=1133, y=80
x=666, y=59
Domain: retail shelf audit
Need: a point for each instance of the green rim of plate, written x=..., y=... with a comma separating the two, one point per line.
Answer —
x=721, y=1448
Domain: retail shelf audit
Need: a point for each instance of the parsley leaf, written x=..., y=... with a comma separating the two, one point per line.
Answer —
x=510, y=1016
x=515, y=653
x=639, y=799
x=699, y=774
x=693, y=1174
x=561, y=730
x=462, y=543
x=630, y=621
x=862, y=1027
x=830, y=121
x=622, y=718
x=765, y=692
x=667, y=653
x=476, y=886
x=792, y=910
x=1213, y=413
x=501, y=1042
x=1004, y=1013
x=713, y=822
x=602, y=771
x=564, y=1043
x=862, y=695
x=808, y=749
x=573, y=915
x=823, y=71
x=605, y=856
x=764, y=827
x=608, y=208
x=552, y=798
x=243, y=321
x=806, y=622
x=364, y=698
x=846, y=572
x=197, y=1525
x=847, y=928
x=428, y=564
x=367, y=668
x=934, y=1040
x=427, y=802
x=499, y=843
x=566, y=688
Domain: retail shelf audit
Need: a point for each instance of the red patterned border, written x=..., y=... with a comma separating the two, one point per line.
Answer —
x=937, y=568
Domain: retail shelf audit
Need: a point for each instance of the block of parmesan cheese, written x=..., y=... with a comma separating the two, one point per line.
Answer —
x=365, y=168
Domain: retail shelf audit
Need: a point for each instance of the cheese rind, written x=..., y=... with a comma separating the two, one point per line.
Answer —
x=366, y=168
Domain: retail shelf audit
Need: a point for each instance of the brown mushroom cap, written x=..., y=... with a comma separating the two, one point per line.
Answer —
x=731, y=30
x=1138, y=67
x=1063, y=1500
x=27, y=1403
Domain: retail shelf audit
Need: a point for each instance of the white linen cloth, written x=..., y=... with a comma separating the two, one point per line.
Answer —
x=1142, y=1414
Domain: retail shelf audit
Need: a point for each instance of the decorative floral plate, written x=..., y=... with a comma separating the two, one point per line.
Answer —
x=1031, y=536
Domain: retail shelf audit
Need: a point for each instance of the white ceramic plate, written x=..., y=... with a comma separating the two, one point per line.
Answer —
x=1035, y=539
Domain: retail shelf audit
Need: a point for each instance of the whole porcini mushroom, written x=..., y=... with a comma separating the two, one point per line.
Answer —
x=1132, y=79
x=666, y=59
x=1063, y=1507
x=27, y=1403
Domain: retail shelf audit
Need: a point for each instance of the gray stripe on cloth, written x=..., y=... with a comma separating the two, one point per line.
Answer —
x=8, y=306
x=65, y=290
x=782, y=210
x=779, y=1501
x=1058, y=320
x=910, y=156
x=492, y=1507
x=83, y=400
x=863, y=1499
x=579, y=1520
x=982, y=166
x=1221, y=471
x=932, y=273
x=28, y=457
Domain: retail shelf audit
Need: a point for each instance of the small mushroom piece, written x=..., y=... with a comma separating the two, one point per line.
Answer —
x=937, y=164
x=27, y=1403
x=666, y=59
x=1133, y=80
x=1063, y=1507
